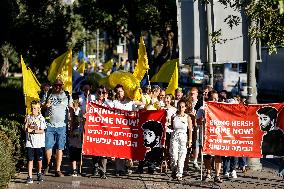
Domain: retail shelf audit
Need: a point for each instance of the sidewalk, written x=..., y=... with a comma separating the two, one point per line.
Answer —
x=265, y=179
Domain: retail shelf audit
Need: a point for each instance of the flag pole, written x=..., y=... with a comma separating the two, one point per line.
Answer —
x=148, y=77
x=202, y=138
x=81, y=160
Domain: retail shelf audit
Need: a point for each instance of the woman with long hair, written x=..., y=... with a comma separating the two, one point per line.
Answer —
x=181, y=139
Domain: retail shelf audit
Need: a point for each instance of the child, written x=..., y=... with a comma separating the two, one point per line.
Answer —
x=75, y=139
x=35, y=139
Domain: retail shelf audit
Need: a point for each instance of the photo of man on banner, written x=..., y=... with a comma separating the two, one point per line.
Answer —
x=273, y=138
x=153, y=133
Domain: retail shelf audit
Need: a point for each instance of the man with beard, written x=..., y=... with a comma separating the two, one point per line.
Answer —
x=153, y=132
x=273, y=139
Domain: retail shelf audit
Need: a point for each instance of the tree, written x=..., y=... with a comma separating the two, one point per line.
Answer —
x=42, y=30
x=267, y=14
x=128, y=18
x=8, y=54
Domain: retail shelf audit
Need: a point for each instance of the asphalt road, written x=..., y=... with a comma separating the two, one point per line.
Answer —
x=265, y=179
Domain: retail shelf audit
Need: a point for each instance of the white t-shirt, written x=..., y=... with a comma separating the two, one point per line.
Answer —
x=180, y=124
x=170, y=112
x=83, y=101
x=36, y=140
x=124, y=105
x=57, y=112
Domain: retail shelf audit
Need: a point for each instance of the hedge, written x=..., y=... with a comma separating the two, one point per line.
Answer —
x=12, y=147
x=7, y=164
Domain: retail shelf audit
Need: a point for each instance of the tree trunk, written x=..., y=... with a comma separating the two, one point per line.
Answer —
x=5, y=68
x=210, y=46
x=253, y=163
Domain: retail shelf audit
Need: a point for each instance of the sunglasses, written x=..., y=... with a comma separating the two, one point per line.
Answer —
x=57, y=85
x=101, y=92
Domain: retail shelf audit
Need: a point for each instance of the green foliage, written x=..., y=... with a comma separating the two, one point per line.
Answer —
x=7, y=164
x=15, y=132
x=271, y=27
x=267, y=14
x=12, y=83
x=118, y=17
x=43, y=30
x=12, y=147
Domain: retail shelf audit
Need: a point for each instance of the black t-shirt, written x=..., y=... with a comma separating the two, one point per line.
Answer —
x=273, y=143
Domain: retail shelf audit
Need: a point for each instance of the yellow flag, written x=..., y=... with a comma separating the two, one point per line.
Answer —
x=166, y=71
x=31, y=86
x=281, y=6
x=81, y=68
x=94, y=65
x=142, y=61
x=108, y=66
x=173, y=84
x=61, y=68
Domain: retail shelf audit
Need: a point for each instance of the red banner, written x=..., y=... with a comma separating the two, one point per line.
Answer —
x=116, y=133
x=244, y=130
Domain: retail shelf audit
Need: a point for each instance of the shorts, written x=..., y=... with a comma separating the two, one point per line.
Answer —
x=34, y=152
x=55, y=136
x=75, y=153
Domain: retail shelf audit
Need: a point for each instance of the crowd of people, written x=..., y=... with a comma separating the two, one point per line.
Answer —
x=57, y=123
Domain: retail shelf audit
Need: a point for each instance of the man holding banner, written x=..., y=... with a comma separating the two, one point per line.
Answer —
x=122, y=103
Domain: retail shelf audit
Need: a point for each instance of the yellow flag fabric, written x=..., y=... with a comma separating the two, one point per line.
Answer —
x=107, y=66
x=281, y=6
x=81, y=68
x=31, y=86
x=173, y=84
x=94, y=65
x=142, y=61
x=61, y=68
x=166, y=71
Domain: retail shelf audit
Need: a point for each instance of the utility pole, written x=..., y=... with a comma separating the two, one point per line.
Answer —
x=210, y=46
x=178, y=3
x=98, y=46
x=253, y=163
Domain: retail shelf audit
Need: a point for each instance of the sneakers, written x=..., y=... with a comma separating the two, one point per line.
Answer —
x=179, y=178
x=227, y=175
x=207, y=178
x=59, y=174
x=103, y=176
x=234, y=174
x=196, y=166
x=74, y=173
x=39, y=177
x=29, y=180
x=46, y=170
x=217, y=179
x=96, y=172
x=173, y=175
x=120, y=173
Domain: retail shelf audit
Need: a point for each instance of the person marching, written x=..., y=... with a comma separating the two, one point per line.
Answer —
x=35, y=140
x=76, y=135
x=57, y=104
x=123, y=103
x=181, y=139
x=100, y=162
x=171, y=110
